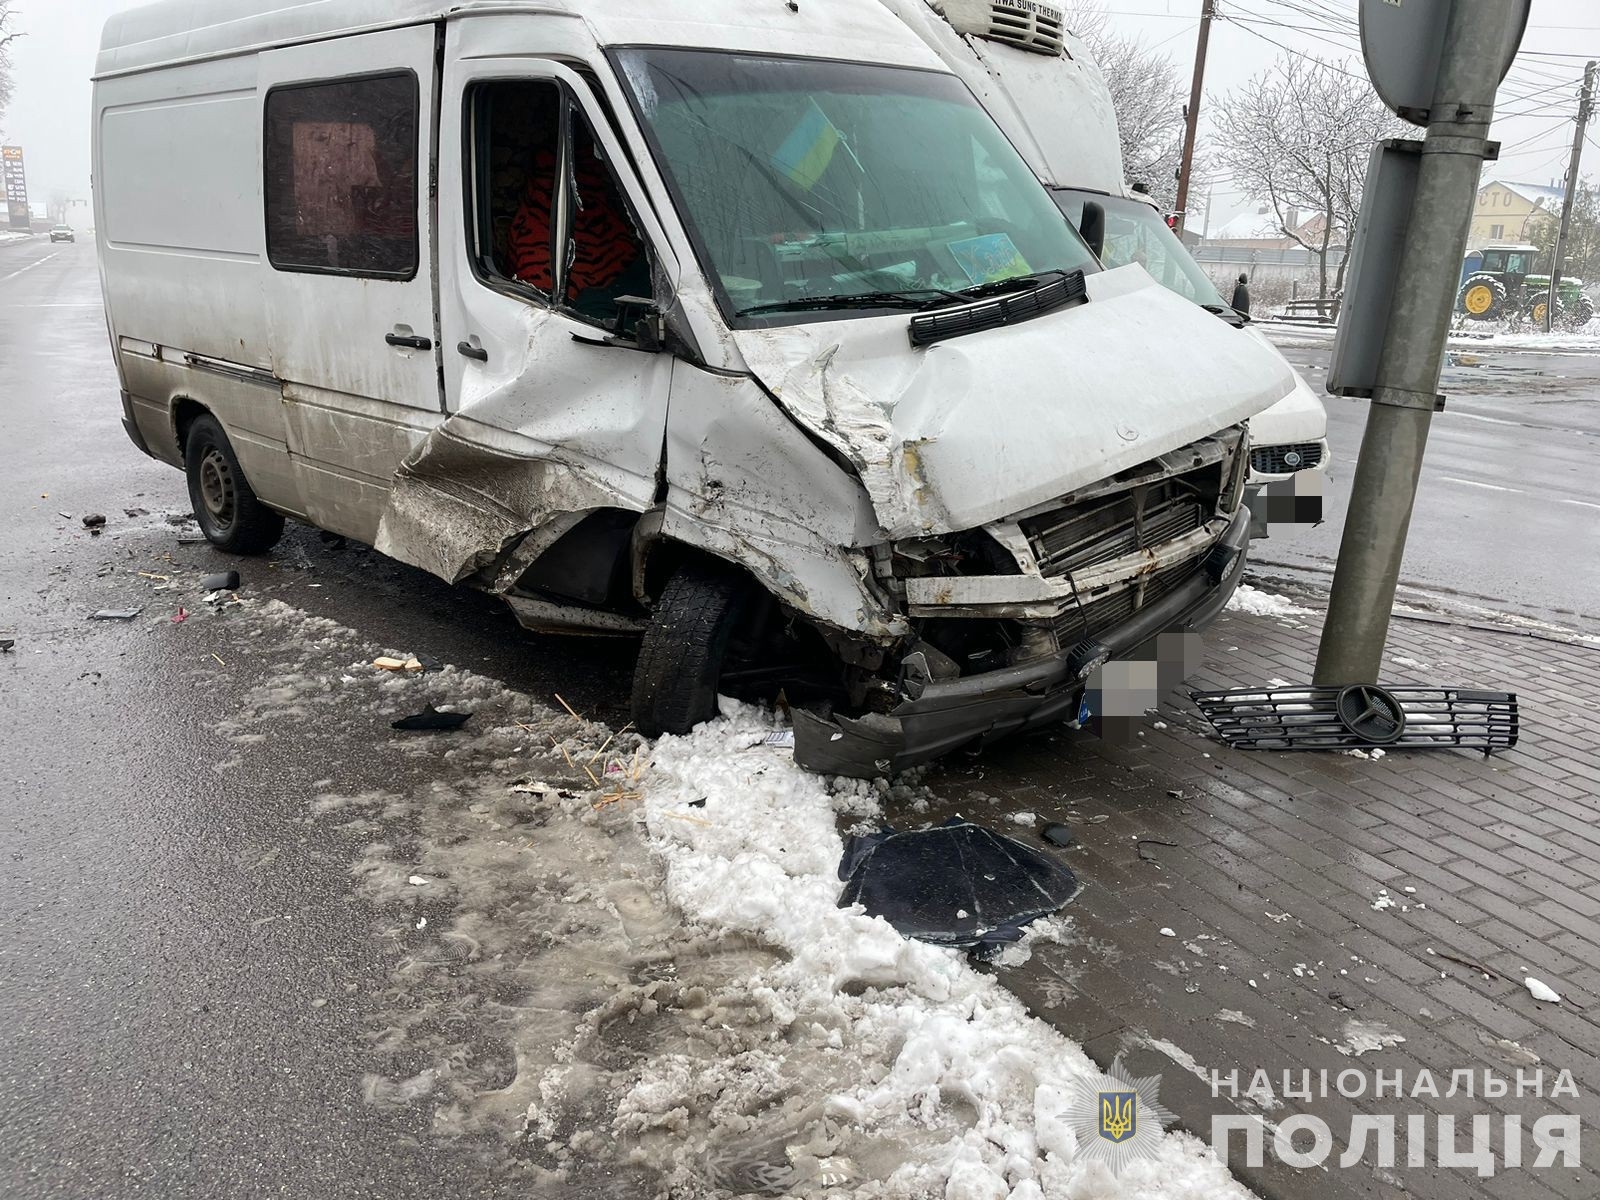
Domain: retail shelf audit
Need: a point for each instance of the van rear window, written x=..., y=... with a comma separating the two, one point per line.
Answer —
x=340, y=186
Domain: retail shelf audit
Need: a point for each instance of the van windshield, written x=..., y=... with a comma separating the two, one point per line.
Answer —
x=1135, y=232
x=816, y=188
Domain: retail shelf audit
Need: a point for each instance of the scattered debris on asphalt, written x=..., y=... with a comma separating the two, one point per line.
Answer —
x=956, y=884
x=179, y=617
x=432, y=718
x=416, y=881
x=222, y=581
x=535, y=787
x=1487, y=972
x=137, y=512
x=1058, y=834
x=1362, y=1036
x=780, y=738
x=386, y=663
x=115, y=614
x=6, y=643
x=94, y=522
x=1540, y=990
x=1141, y=843
x=1361, y=716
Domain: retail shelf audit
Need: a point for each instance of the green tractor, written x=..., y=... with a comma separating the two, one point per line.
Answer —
x=1497, y=284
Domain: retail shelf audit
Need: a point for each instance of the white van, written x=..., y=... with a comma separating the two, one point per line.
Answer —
x=1044, y=89
x=736, y=325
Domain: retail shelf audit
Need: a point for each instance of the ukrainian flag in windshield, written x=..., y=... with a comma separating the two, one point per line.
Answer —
x=805, y=154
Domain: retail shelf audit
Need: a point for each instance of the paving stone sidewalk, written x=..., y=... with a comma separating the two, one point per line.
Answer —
x=1284, y=955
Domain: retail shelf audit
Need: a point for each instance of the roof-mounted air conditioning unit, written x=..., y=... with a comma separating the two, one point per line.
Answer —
x=1025, y=24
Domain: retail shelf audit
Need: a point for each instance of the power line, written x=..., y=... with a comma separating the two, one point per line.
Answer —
x=1290, y=49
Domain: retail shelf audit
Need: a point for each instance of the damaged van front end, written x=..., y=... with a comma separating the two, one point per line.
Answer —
x=1012, y=620
x=1052, y=495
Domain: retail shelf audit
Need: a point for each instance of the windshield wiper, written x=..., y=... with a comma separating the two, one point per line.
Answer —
x=1230, y=315
x=910, y=298
x=997, y=287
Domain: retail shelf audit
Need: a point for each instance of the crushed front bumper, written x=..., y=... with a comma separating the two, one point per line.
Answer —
x=951, y=713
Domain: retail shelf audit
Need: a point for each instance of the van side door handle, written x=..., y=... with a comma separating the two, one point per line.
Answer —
x=468, y=350
x=411, y=340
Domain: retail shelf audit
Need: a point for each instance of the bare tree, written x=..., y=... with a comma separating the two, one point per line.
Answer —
x=1581, y=253
x=1085, y=18
x=8, y=34
x=1148, y=95
x=1298, y=137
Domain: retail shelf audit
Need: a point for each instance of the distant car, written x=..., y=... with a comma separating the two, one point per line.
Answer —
x=62, y=233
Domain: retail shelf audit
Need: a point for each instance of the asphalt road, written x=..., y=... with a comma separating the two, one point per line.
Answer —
x=195, y=975
x=1506, y=513
x=170, y=922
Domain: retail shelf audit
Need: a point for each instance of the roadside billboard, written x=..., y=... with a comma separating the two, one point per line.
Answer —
x=16, y=186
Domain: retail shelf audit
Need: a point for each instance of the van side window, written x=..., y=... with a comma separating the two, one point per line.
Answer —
x=554, y=230
x=518, y=161
x=340, y=187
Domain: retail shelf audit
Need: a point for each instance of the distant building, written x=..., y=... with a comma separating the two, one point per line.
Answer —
x=1254, y=244
x=1509, y=212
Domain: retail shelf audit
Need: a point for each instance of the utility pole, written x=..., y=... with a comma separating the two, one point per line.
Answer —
x=1208, y=9
x=1585, y=97
x=1478, y=37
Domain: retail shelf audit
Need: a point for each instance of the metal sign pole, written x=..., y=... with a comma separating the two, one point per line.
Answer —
x=1479, y=38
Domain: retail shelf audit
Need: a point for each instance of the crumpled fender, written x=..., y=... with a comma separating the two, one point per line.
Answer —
x=466, y=495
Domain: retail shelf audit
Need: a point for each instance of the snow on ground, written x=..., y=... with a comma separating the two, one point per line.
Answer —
x=13, y=235
x=1293, y=335
x=930, y=1053
x=1253, y=600
x=1528, y=337
x=638, y=983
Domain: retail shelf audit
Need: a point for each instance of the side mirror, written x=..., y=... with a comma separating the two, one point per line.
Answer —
x=1092, y=226
x=639, y=318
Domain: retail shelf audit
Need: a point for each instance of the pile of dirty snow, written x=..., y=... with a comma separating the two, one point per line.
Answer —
x=940, y=1082
x=1247, y=599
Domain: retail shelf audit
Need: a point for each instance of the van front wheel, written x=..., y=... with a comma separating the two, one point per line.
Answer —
x=229, y=513
x=700, y=616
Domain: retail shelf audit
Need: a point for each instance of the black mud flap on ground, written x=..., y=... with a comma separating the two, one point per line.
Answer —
x=957, y=884
x=1362, y=716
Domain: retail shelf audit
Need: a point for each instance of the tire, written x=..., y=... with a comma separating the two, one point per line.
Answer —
x=229, y=513
x=1482, y=298
x=1536, y=307
x=1582, y=312
x=685, y=647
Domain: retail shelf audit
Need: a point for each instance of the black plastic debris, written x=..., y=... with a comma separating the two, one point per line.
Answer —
x=957, y=884
x=94, y=521
x=222, y=581
x=432, y=718
x=115, y=614
x=6, y=643
x=1362, y=716
x=1058, y=834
